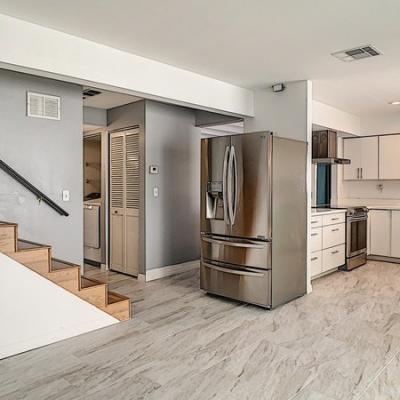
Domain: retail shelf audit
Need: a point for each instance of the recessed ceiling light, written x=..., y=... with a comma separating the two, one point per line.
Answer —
x=395, y=103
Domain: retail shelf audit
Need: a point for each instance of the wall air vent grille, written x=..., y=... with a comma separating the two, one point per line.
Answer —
x=357, y=53
x=40, y=105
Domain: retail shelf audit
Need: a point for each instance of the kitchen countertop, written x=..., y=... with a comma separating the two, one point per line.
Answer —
x=324, y=211
x=385, y=207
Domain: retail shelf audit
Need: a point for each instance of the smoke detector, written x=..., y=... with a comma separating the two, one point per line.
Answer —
x=357, y=53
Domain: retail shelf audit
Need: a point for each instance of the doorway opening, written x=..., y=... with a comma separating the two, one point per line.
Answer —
x=112, y=192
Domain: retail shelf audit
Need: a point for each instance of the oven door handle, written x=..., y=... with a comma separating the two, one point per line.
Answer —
x=351, y=219
x=233, y=271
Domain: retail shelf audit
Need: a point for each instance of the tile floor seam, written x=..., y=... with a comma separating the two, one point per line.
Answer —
x=378, y=374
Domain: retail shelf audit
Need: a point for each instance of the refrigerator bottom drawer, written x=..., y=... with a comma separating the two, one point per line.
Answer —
x=249, y=285
x=245, y=252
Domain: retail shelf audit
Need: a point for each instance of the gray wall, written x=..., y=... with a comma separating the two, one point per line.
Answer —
x=49, y=154
x=94, y=116
x=172, y=219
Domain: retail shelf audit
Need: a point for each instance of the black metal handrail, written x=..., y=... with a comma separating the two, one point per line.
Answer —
x=39, y=194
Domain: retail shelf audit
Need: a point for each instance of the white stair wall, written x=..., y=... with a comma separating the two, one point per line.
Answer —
x=35, y=312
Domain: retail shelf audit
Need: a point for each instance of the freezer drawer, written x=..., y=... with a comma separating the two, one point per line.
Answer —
x=245, y=284
x=246, y=252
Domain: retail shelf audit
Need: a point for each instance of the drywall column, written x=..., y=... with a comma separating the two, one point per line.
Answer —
x=48, y=153
x=172, y=218
x=287, y=114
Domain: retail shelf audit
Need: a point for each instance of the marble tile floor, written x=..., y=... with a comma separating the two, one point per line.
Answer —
x=340, y=342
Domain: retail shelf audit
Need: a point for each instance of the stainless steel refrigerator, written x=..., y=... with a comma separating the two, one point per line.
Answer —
x=254, y=218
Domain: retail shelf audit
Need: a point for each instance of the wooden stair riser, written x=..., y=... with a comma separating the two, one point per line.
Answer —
x=37, y=259
x=67, y=278
x=96, y=295
x=120, y=310
x=8, y=238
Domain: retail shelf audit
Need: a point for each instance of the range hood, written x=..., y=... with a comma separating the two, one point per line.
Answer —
x=324, y=148
x=331, y=161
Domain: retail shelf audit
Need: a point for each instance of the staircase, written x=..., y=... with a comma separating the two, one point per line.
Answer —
x=37, y=257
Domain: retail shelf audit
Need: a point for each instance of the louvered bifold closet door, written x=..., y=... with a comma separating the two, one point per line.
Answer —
x=124, y=197
x=132, y=178
x=117, y=202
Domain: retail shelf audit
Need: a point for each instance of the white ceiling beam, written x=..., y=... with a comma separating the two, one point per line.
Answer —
x=42, y=51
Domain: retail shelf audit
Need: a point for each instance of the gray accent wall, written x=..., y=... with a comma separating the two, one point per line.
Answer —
x=49, y=154
x=173, y=218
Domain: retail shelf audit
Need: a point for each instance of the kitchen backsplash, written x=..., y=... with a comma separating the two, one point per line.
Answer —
x=379, y=190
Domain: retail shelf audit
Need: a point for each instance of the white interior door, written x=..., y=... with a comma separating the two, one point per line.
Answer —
x=124, y=193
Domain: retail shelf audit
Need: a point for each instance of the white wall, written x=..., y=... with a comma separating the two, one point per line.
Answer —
x=35, y=312
x=41, y=50
x=326, y=116
x=377, y=124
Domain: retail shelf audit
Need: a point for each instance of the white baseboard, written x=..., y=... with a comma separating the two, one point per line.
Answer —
x=158, y=273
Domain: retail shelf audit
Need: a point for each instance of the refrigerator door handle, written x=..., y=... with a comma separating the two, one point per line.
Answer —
x=230, y=186
x=225, y=184
x=244, y=243
x=233, y=271
x=236, y=191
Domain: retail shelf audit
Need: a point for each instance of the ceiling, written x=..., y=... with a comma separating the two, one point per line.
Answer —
x=107, y=100
x=250, y=43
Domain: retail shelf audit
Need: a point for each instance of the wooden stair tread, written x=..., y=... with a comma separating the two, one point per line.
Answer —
x=57, y=265
x=115, y=297
x=89, y=282
x=5, y=223
x=27, y=245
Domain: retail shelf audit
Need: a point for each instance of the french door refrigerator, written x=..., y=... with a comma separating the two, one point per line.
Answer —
x=254, y=218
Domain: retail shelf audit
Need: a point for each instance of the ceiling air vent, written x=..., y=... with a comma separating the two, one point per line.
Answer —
x=43, y=106
x=90, y=93
x=358, y=53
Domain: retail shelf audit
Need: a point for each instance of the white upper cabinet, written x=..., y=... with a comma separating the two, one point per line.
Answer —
x=352, y=151
x=364, y=156
x=389, y=157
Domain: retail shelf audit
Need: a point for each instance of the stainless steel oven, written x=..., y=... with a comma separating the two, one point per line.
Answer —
x=356, y=237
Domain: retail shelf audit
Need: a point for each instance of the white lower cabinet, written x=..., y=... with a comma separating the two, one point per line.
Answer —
x=327, y=243
x=395, y=239
x=384, y=233
x=333, y=234
x=333, y=257
x=316, y=263
x=380, y=232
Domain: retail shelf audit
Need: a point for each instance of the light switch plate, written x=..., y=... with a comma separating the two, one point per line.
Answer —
x=155, y=191
x=65, y=195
